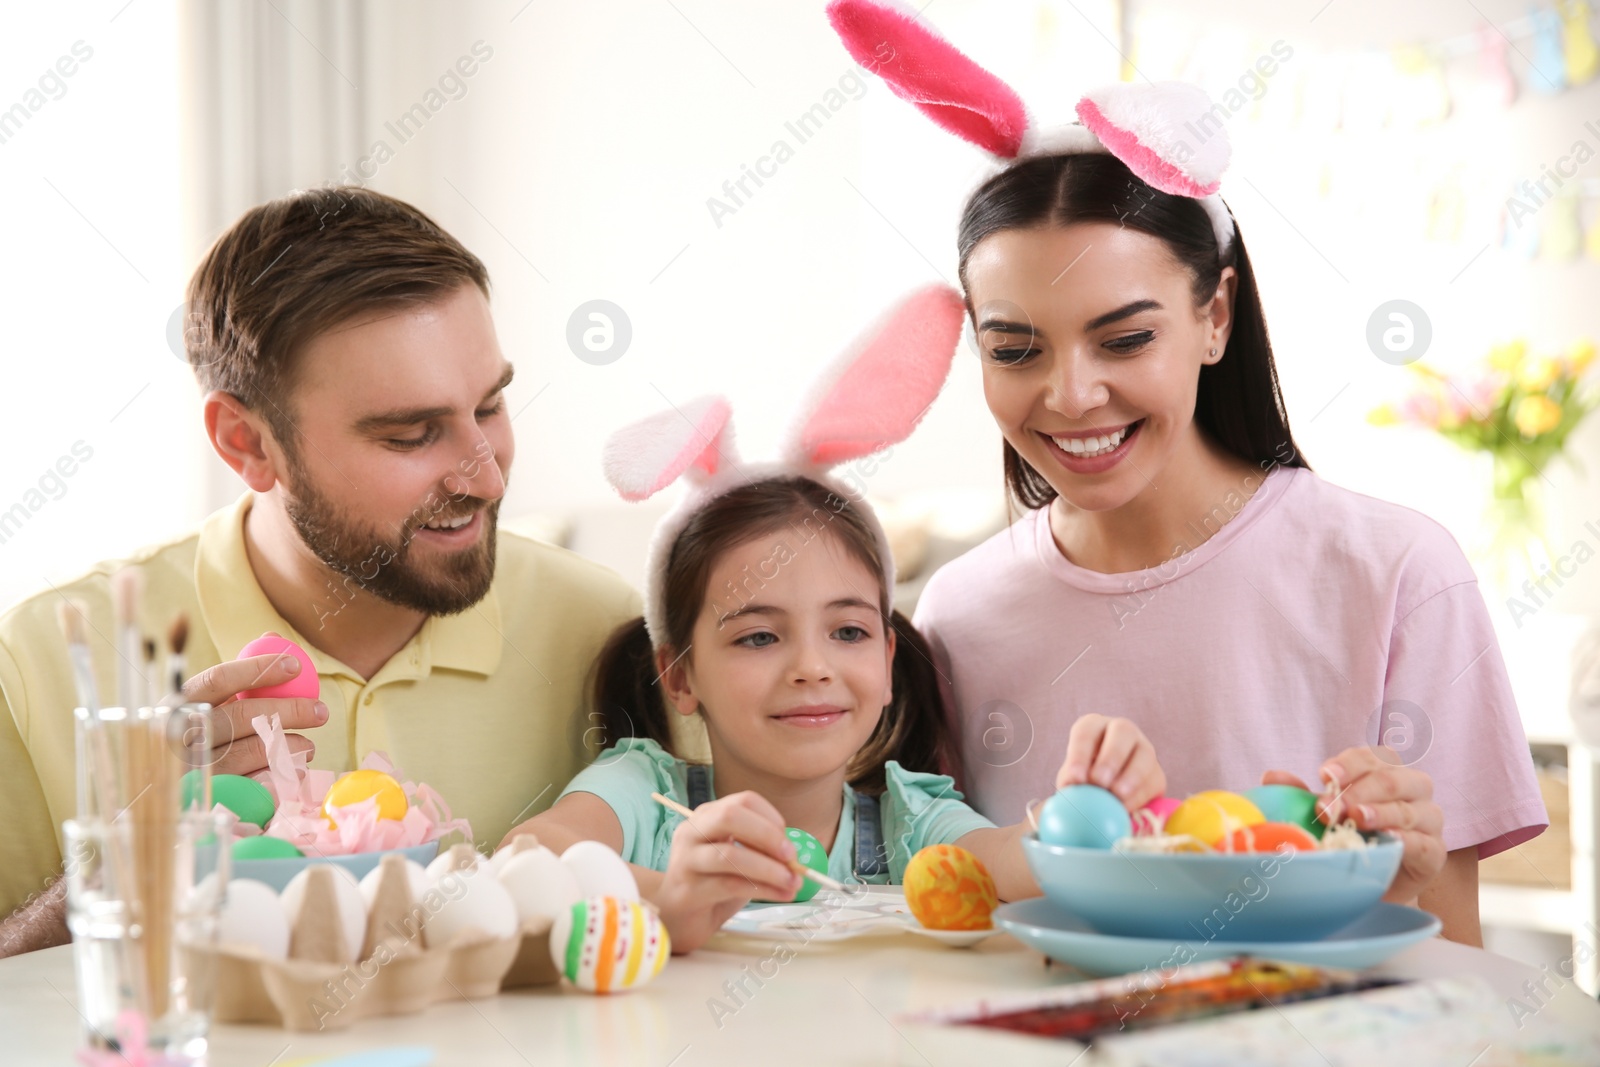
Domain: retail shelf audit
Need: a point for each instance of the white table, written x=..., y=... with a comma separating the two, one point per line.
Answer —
x=832, y=1004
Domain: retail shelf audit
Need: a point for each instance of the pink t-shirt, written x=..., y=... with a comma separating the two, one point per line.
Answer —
x=1315, y=620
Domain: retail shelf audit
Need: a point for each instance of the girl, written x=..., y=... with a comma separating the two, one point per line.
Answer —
x=1176, y=535
x=768, y=616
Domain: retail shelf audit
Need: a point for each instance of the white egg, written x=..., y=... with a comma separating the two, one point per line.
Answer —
x=540, y=885
x=416, y=877
x=253, y=915
x=352, y=911
x=498, y=861
x=600, y=871
x=472, y=900
x=444, y=861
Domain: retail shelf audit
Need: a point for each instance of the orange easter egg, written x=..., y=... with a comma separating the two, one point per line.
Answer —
x=1268, y=837
x=358, y=786
x=949, y=889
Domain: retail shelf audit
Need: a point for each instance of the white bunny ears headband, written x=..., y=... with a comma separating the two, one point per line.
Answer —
x=872, y=397
x=1142, y=125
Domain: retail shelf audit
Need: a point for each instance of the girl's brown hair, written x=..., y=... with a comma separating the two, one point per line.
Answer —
x=627, y=693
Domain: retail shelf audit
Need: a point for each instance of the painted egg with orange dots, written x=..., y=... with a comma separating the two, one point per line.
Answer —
x=357, y=786
x=948, y=888
x=604, y=945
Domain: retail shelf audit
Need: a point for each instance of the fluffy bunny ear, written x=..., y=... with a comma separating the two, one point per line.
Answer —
x=642, y=459
x=1157, y=130
x=879, y=389
x=924, y=68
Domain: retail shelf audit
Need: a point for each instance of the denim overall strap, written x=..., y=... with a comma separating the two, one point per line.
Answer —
x=870, y=859
x=699, y=784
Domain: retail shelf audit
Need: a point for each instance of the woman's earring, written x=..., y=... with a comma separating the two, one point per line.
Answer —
x=1213, y=351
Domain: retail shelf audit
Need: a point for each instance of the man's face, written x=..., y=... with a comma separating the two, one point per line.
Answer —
x=403, y=447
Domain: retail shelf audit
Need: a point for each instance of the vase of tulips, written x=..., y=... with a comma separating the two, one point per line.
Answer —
x=1519, y=409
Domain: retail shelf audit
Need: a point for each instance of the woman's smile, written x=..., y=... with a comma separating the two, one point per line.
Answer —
x=1092, y=451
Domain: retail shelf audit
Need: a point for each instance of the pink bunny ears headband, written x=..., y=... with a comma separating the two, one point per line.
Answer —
x=871, y=398
x=1141, y=125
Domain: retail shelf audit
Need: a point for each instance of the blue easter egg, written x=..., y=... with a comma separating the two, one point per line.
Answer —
x=1083, y=816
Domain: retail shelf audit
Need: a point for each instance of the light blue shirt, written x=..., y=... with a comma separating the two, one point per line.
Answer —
x=915, y=811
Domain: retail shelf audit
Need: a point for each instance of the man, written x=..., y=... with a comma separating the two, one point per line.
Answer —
x=354, y=382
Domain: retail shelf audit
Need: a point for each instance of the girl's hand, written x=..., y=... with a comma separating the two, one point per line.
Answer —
x=1371, y=786
x=1114, y=754
x=728, y=853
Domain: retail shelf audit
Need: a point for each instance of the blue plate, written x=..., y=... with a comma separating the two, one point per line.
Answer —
x=1371, y=939
x=277, y=873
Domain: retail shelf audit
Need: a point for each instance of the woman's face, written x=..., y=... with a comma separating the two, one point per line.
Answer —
x=1092, y=347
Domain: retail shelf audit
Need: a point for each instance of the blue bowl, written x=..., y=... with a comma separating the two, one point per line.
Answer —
x=1241, y=896
x=278, y=872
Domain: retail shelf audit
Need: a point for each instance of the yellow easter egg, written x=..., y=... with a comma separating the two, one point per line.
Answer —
x=358, y=786
x=949, y=889
x=1213, y=815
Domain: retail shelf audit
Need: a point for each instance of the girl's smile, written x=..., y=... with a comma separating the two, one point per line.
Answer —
x=811, y=716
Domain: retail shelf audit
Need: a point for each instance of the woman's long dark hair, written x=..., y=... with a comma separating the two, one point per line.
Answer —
x=1237, y=402
x=627, y=693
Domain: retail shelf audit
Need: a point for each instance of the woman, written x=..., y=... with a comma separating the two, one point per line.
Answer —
x=1181, y=565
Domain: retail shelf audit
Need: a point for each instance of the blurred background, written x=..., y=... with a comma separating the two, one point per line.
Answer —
x=1417, y=184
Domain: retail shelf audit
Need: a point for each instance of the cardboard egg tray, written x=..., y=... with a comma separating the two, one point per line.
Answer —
x=398, y=972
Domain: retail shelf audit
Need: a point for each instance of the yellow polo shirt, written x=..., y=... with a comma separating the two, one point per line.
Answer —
x=489, y=707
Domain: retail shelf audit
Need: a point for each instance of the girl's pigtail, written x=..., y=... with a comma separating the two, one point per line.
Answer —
x=625, y=693
x=913, y=731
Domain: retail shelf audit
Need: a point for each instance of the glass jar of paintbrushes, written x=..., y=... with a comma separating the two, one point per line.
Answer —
x=146, y=877
x=146, y=868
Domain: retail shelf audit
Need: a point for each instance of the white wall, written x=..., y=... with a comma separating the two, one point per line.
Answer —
x=578, y=164
x=91, y=272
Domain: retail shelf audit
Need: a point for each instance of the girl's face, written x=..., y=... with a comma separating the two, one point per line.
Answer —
x=790, y=659
x=1092, y=347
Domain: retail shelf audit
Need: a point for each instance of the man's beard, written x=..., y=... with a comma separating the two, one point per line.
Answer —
x=381, y=565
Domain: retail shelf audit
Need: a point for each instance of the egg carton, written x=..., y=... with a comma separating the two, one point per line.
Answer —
x=317, y=987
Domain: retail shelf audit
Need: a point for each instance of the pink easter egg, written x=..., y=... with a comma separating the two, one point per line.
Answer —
x=305, y=684
x=1151, y=818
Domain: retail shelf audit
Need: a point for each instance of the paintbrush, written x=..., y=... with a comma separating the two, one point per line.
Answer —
x=152, y=675
x=795, y=865
x=177, y=665
x=127, y=585
x=70, y=614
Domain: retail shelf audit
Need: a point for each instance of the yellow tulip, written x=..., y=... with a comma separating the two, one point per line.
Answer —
x=1536, y=415
x=1536, y=374
x=1580, y=356
x=1508, y=357
x=1383, y=415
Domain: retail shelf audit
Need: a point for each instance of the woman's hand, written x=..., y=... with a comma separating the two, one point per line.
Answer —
x=731, y=851
x=1114, y=754
x=1372, y=786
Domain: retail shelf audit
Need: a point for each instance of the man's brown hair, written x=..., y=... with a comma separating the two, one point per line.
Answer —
x=298, y=266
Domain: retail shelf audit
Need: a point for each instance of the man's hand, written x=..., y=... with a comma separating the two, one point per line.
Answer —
x=236, y=747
